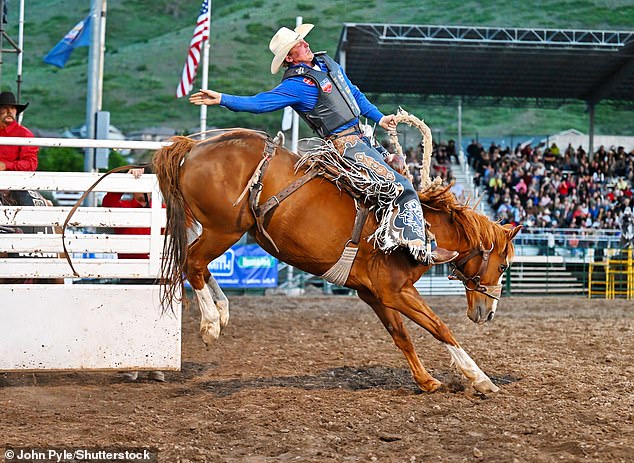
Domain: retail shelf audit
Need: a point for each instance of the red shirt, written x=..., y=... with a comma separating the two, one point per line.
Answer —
x=114, y=200
x=22, y=158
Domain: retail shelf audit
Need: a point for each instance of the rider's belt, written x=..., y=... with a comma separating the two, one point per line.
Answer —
x=350, y=135
x=354, y=130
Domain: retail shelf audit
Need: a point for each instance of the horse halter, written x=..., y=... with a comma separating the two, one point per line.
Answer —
x=472, y=283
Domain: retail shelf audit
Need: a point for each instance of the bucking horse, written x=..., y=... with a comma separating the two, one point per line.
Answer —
x=307, y=221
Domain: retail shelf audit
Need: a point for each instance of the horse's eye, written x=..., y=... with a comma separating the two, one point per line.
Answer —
x=503, y=268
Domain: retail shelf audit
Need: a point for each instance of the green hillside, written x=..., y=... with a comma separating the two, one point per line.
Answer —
x=147, y=42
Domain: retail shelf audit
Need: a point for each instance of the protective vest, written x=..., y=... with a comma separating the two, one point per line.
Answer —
x=335, y=105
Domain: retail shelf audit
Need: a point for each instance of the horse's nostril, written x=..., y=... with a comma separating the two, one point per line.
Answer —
x=490, y=316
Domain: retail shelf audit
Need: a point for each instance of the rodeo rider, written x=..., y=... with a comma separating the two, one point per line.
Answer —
x=317, y=88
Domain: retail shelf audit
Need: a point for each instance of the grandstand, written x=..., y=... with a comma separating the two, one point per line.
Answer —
x=569, y=196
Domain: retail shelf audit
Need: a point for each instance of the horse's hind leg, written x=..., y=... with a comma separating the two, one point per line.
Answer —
x=202, y=251
x=220, y=299
x=393, y=323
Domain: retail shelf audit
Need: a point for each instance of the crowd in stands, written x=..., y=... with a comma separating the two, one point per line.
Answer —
x=440, y=164
x=546, y=187
x=543, y=186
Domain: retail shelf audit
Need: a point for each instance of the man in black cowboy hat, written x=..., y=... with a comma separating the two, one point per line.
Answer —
x=22, y=158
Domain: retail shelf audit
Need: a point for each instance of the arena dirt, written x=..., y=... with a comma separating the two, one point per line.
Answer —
x=318, y=379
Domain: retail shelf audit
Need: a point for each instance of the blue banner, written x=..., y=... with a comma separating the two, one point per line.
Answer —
x=245, y=266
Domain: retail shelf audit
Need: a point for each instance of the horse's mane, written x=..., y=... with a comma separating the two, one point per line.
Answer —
x=475, y=227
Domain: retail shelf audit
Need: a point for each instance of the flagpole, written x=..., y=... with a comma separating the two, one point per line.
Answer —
x=93, y=98
x=205, y=76
x=20, y=56
x=102, y=51
x=95, y=79
x=295, y=131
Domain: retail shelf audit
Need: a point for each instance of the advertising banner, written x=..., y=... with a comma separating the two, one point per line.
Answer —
x=245, y=266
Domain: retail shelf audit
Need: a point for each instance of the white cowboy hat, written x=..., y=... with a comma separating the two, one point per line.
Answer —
x=282, y=42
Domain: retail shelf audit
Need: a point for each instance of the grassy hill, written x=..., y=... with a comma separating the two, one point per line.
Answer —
x=147, y=41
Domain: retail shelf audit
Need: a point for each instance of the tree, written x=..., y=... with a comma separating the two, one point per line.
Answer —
x=60, y=160
x=116, y=160
x=71, y=160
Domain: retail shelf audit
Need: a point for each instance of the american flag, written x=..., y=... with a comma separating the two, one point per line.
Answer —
x=201, y=33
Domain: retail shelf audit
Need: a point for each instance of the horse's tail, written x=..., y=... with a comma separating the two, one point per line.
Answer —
x=166, y=163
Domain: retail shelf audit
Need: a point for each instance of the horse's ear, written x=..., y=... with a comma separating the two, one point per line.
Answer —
x=512, y=231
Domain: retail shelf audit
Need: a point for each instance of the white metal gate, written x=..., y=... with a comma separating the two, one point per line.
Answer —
x=87, y=324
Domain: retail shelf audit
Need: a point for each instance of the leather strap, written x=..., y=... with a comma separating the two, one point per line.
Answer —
x=261, y=212
x=359, y=221
x=275, y=200
x=354, y=130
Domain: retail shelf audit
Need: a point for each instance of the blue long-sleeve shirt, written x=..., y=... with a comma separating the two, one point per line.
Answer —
x=299, y=93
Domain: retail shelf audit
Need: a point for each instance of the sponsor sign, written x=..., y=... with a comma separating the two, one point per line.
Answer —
x=245, y=266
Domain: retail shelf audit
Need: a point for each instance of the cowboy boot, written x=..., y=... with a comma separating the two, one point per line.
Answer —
x=442, y=256
x=437, y=255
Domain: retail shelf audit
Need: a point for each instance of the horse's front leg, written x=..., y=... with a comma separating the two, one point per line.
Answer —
x=393, y=323
x=411, y=304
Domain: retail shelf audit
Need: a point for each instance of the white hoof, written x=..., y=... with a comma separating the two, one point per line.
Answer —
x=472, y=372
x=485, y=386
x=210, y=332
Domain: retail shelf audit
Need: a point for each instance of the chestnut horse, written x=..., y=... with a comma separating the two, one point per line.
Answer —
x=311, y=228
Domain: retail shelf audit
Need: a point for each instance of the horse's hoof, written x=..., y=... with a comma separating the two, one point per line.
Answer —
x=210, y=333
x=485, y=386
x=431, y=385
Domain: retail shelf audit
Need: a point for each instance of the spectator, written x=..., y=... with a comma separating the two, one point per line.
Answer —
x=549, y=159
x=473, y=152
x=451, y=151
x=626, y=223
x=16, y=158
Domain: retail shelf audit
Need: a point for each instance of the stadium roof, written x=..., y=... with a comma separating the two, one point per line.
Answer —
x=556, y=65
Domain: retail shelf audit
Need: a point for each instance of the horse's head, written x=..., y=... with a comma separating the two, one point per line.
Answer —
x=481, y=270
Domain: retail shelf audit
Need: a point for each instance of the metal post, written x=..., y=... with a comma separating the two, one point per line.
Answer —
x=95, y=75
x=205, y=75
x=460, y=153
x=295, y=131
x=591, y=130
x=18, y=78
x=15, y=48
x=91, y=88
x=95, y=81
x=102, y=52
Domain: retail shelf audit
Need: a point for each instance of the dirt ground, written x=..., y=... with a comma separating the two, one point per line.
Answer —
x=318, y=379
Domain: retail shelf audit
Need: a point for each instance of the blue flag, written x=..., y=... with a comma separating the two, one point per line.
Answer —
x=78, y=36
